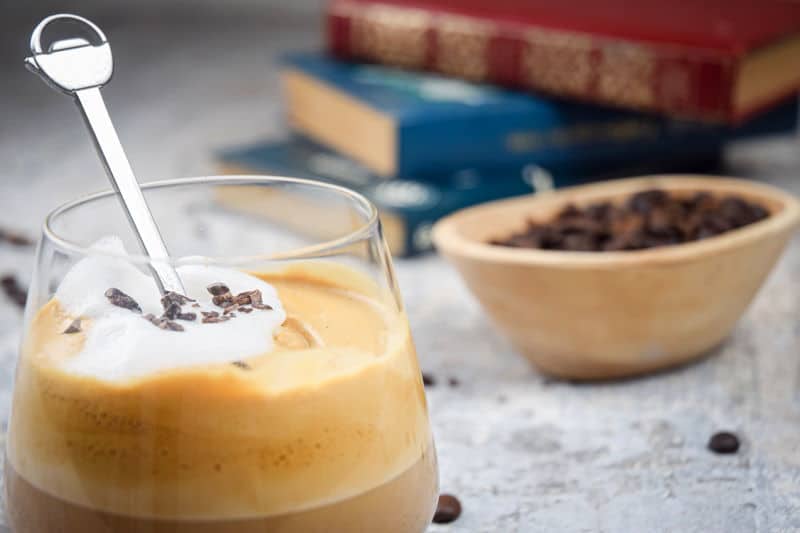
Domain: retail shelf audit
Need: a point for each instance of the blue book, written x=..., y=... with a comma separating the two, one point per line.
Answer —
x=409, y=207
x=400, y=123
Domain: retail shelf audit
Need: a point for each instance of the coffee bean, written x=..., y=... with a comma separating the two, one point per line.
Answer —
x=14, y=290
x=723, y=442
x=648, y=219
x=14, y=238
x=447, y=510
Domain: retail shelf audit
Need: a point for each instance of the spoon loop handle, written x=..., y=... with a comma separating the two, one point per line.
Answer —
x=79, y=67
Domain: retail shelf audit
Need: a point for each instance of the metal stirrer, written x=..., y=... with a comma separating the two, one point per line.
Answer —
x=79, y=68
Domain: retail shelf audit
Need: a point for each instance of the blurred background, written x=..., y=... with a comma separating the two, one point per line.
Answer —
x=190, y=78
x=197, y=90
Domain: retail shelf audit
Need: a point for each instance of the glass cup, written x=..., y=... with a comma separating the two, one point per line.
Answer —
x=285, y=396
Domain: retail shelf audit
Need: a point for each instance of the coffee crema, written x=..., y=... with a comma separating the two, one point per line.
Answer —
x=328, y=429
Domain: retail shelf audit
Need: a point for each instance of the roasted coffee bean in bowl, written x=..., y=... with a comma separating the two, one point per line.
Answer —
x=620, y=277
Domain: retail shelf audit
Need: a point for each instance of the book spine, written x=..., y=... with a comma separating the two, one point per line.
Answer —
x=677, y=80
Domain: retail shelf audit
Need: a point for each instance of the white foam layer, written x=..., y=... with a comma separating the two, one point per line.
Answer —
x=121, y=344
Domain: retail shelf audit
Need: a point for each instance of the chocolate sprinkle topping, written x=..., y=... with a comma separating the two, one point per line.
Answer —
x=223, y=300
x=120, y=299
x=218, y=289
x=74, y=327
x=249, y=297
x=172, y=311
x=215, y=319
x=174, y=298
x=163, y=323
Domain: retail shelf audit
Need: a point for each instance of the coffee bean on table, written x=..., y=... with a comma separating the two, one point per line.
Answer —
x=14, y=290
x=723, y=442
x=447, y=510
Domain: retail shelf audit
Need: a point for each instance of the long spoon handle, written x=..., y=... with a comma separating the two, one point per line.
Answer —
x=79, y=68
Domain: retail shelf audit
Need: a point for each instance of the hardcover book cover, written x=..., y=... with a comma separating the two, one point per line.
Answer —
x=410, y=206
x=397, y=122
x=722, y=60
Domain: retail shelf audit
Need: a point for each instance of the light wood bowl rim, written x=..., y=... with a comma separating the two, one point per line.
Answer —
x=451, y=240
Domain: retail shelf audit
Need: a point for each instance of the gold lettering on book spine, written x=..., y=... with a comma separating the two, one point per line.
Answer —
x=557, y=62
x=625, y=75
x=390, y=35
x=462, y=47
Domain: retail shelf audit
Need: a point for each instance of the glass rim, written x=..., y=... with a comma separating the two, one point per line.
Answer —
x=322, y=248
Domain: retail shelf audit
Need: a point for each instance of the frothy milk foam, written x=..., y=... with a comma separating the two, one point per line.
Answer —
x=139, y=347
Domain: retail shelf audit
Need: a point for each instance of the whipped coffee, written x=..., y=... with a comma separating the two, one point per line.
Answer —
x=305, y=415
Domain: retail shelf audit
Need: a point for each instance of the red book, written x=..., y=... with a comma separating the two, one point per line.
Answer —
x=720, y=60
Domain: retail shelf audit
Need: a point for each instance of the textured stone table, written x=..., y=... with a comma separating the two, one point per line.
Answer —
x=524, y=453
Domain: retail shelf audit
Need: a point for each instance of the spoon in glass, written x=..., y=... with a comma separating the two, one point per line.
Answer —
x=79, y=66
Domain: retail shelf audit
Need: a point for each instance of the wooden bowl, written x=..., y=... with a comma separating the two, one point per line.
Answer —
x=597, y=315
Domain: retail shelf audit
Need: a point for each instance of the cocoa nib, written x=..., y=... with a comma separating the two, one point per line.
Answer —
x=172, y=311
x=215, y=319
x=163, y=323
x=263, y=307
x=189, y=317
x=120, y=299
x=74, y=327
x=223, y=300
x=248, y=297
x=218, y=289
x=241, y=364
x=174, y=298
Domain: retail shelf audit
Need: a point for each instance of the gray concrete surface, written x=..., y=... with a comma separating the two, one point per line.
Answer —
x=523, y=453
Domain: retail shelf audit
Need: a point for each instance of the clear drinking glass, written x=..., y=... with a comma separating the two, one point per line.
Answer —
x=301, y=414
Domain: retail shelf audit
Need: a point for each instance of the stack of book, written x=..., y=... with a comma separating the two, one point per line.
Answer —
x=428, y=106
